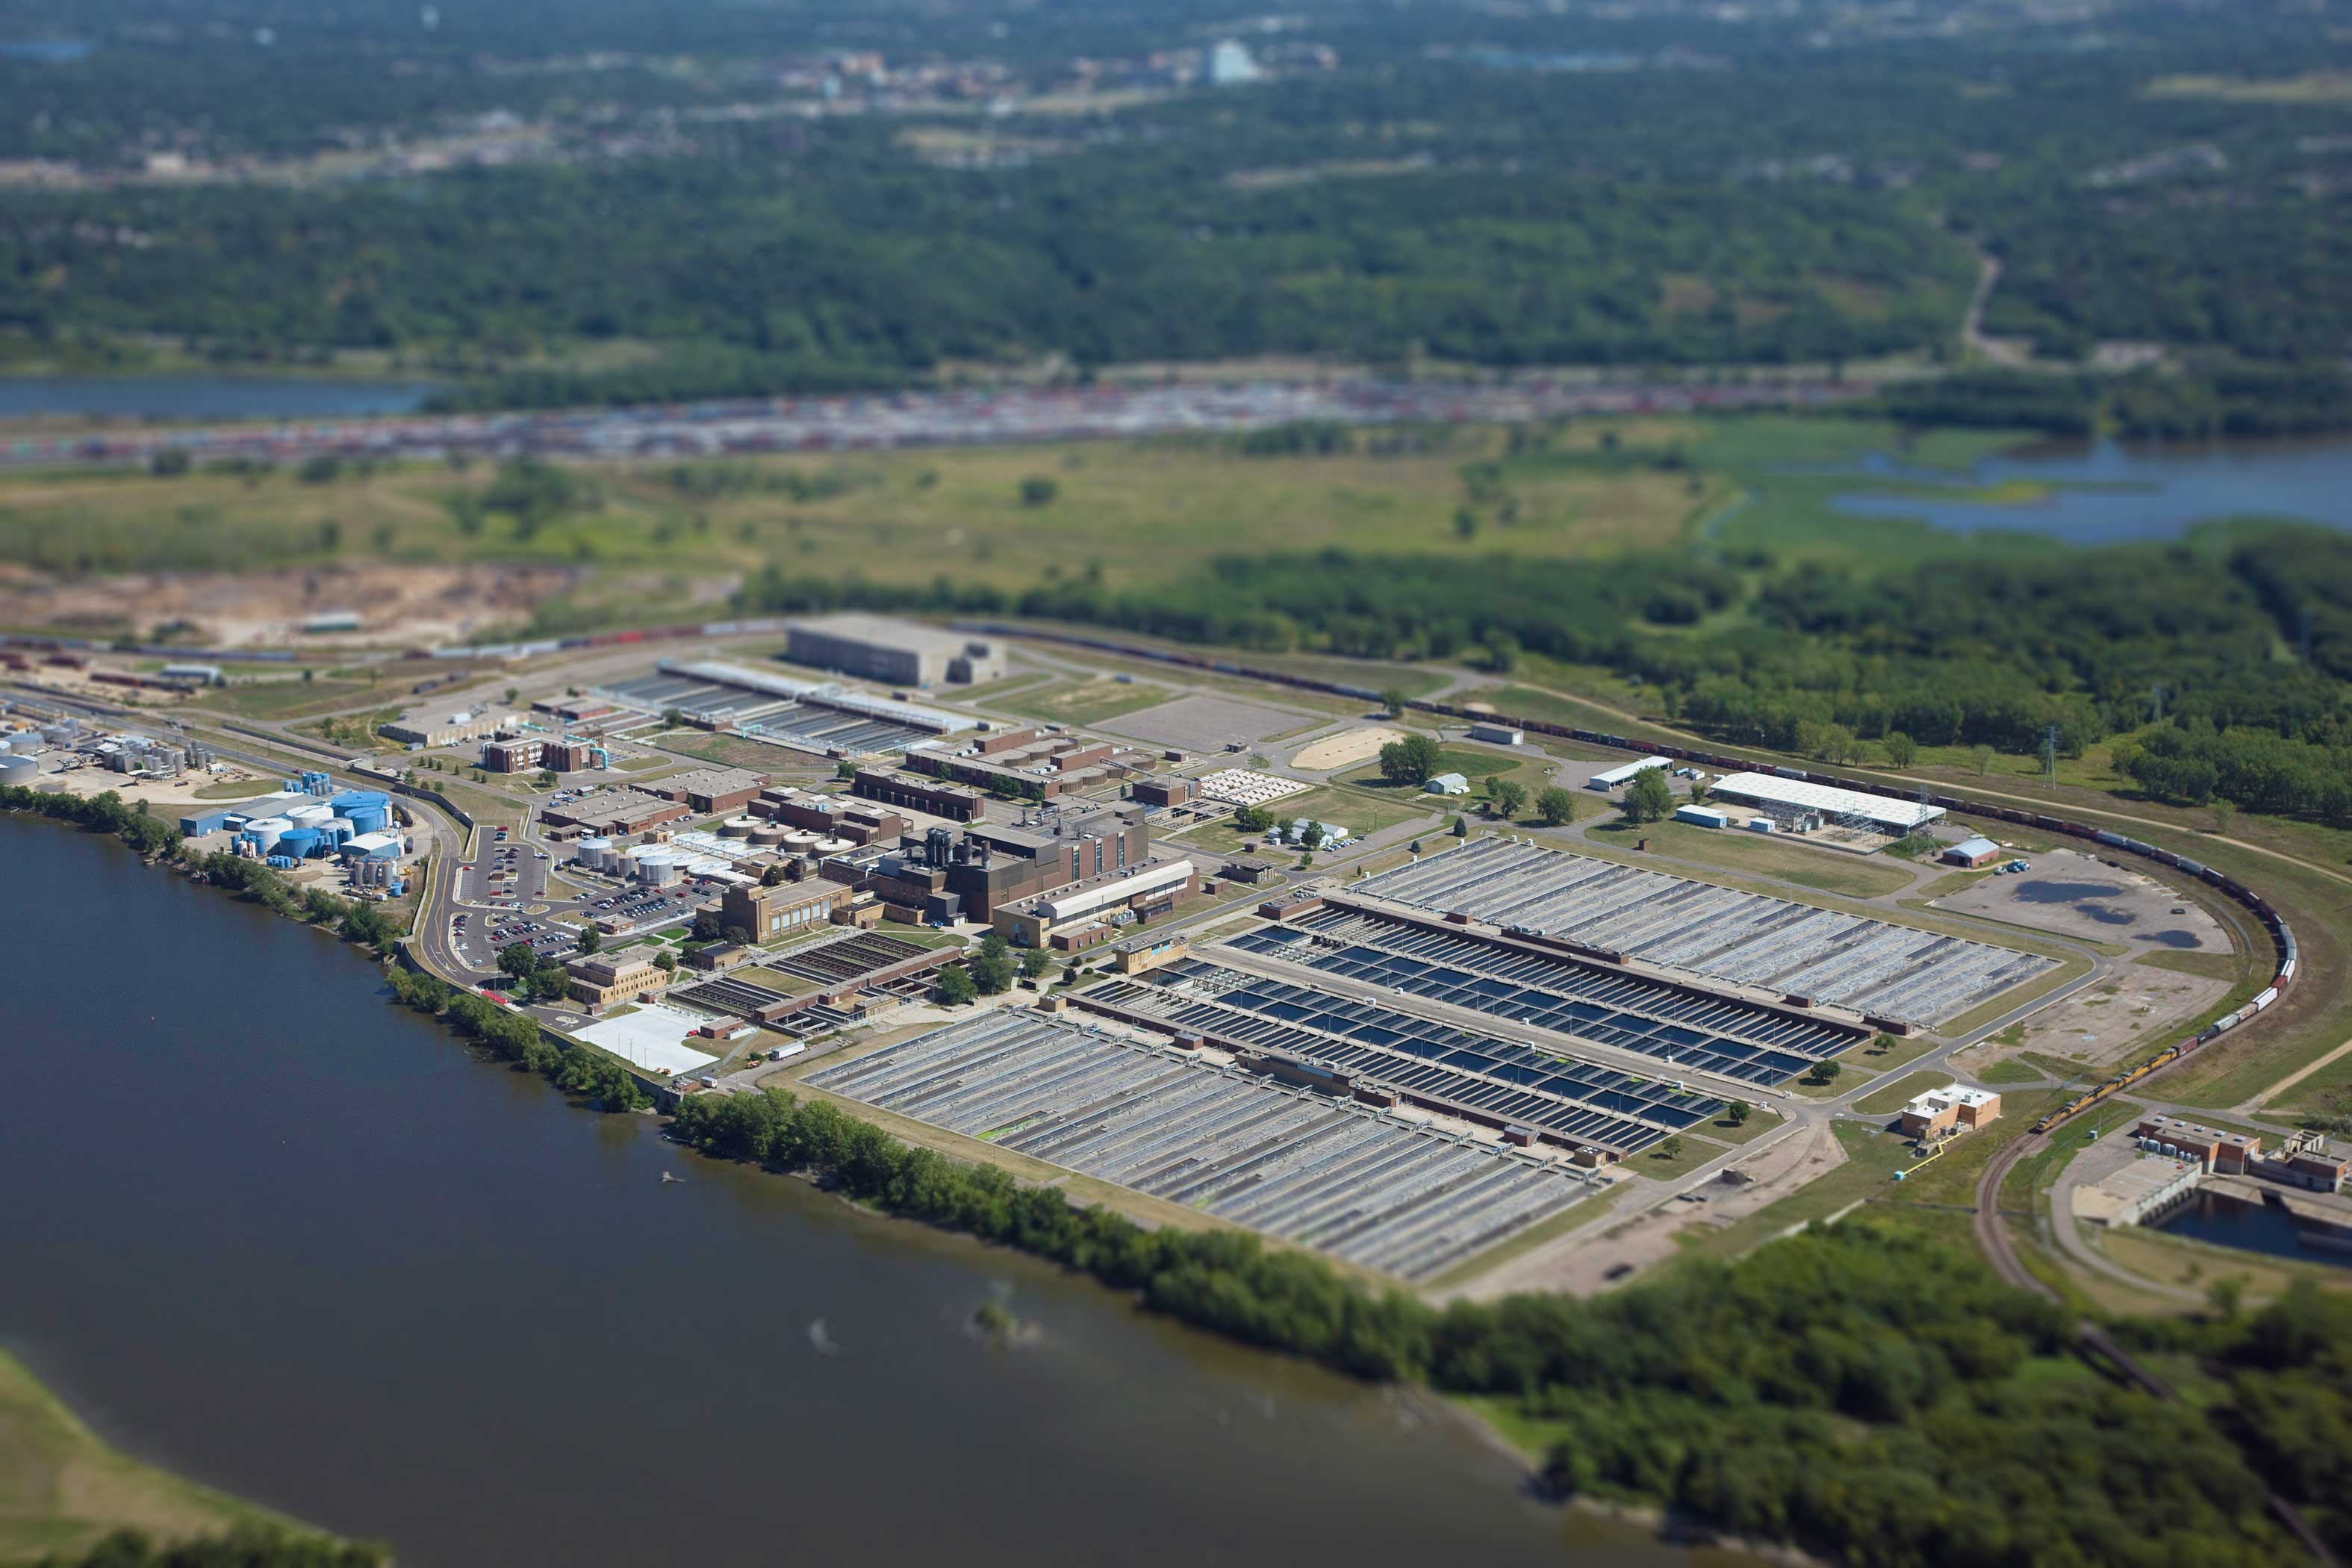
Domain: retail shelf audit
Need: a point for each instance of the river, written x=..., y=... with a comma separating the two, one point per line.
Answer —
x=200, y=397
x=266, y=1230
x=2108, y=493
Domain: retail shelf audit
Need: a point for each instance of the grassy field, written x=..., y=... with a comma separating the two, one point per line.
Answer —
x=1825, y=870
x=1893, y=1097
x=1086, y=701
x=1135, y=512
x=61, y=1489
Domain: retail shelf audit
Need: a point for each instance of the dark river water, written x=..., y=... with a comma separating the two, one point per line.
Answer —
x=2108, y=493
x=205, y=396
x=2255, y=1227
x=262, y=1228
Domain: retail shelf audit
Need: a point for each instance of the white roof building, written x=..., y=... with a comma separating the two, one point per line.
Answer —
x=1617, y=775
x=1771, y=791
x=1448, y=783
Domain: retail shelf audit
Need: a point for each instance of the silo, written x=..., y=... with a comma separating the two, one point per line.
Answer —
x=800, y=843
x=311, y=816
x=265, y=832
x=768, y=835
x=19, y=771
x=301, y=843
x=739, y=827
x=593, y=853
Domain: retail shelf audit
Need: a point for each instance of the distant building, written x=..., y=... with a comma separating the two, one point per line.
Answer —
x=1609, y=778
x=512, y=757
x=439, y=727
x=614, y=812
x=1164, y=791
x=599, y=979
x=1229, y=64
x=1498, y=734
x=902, y=653
x=567, y=756
x=1948, y=1109
x=1702, y=816
x=1138, y=954
x=908, y=792
x=1798, y=801
x=2147, y=1188
x=1448, y=783
x=2227, y=1154
x=710, y=790
x=772, y=912
x=1971, y=852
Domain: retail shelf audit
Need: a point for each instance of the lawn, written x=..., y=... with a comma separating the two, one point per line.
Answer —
x=1086, y=701
x=1871, y=1159
x=1474, y=765
x=1354, y=810
x=244, y=789
x=1799, y=865
x=61, y=1489
x=1890, y=1097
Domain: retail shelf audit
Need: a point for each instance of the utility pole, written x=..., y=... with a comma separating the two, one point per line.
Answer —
x=2050, y=757
x=2156, y=696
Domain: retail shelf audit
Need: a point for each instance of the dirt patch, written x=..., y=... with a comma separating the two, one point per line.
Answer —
x=2079, y=895
x=420, y=605
x=1341, y=750
x=2125, y=1015
x=1582, y=1265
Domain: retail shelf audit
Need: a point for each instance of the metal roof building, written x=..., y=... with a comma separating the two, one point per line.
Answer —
x=1617, y=775
x=1832, y=803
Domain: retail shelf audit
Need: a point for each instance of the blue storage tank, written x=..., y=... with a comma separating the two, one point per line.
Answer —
x=300, y=841
x=368, y=818
x=280, y=862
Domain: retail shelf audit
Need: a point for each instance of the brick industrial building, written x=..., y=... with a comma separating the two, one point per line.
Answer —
x=947, y=876
x=710, y=790
x=615, y=812
x=771, y=912
x=910, y=791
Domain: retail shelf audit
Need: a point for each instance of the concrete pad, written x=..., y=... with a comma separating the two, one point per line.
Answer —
x=652, y=1037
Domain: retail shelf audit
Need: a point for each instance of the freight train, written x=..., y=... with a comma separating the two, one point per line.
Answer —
x=2282, y=936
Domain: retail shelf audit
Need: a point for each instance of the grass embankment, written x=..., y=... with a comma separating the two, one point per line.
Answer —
x=62, y=1490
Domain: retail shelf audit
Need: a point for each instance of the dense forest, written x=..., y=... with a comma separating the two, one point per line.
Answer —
x=1457, y=183
x=1965, y=652
x=1861, y=1391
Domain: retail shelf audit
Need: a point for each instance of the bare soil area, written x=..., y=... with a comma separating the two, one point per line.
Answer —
x=417, y=604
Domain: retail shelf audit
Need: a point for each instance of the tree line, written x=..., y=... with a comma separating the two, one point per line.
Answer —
x=1865, y=1391
x=1970, y=652
x=247, y=1546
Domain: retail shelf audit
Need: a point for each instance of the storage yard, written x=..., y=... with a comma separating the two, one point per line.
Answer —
x=1747, y=939
x=1372, y=1187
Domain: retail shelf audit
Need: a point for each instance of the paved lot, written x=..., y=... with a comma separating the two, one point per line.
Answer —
x=1205, y=724
x=2078, y=895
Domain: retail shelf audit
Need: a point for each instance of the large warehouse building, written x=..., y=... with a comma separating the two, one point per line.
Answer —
x=1794, y=800
x=900, y=652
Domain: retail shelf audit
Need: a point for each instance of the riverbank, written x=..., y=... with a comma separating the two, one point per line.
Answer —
x=1937, y=1376
x=63, y=1489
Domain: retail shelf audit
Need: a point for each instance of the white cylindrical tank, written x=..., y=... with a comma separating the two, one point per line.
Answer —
x=18, y=771
x=660, y=868
x=593, y=853
x=767, y=836
x=832, y=847
x=269, y=830
x=802, y=840
x=739, y=827
x=312, y=816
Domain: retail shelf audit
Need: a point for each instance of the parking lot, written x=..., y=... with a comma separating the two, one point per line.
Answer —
x=1368, y=1186
x=1747, y=939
